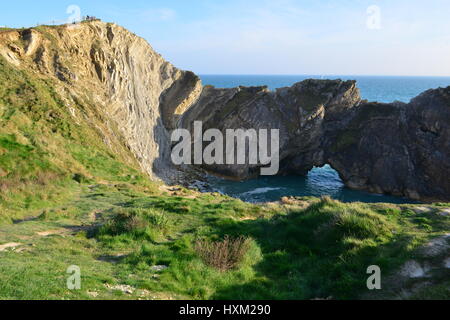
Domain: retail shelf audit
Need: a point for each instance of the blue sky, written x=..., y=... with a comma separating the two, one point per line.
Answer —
x=320, y=37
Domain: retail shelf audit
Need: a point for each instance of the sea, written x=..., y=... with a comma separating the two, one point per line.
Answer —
x=325, y=180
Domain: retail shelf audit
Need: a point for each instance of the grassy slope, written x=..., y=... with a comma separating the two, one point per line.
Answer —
x=41, y=145
x=298, y=251
x=61, y=187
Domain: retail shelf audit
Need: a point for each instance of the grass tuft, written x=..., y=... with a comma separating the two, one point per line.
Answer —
x=223, y=255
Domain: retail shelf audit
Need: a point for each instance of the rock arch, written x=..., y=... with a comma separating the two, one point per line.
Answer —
x=397, y=148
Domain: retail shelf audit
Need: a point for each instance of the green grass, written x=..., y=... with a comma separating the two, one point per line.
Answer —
x=44, y=152
x=68, y=199
x=319, y=251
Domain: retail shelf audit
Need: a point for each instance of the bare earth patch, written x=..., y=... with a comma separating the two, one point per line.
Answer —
x=11, y=245
x=179, y=192
x=437, y=246
x=420, y=210
x=412, y=269
x=121, y=287
x=51, y=232
x=445, y=213
x=248, y=219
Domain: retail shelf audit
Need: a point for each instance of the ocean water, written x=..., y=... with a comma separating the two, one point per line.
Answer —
x=320, y=181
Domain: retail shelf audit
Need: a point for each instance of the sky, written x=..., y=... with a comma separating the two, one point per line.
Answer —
x=295, y=37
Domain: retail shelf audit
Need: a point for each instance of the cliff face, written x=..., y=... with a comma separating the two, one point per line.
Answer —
x=118, y=73
x=399, y=149
x=299, y=112
x=113, y=81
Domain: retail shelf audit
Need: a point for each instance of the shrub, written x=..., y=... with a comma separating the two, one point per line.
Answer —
x=158, y=220
x=223, y=255
x=136, y=222
x=54, y=215
x=80, y=178
x=127, y=221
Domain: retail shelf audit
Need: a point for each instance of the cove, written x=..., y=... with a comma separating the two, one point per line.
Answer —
x=319, y=182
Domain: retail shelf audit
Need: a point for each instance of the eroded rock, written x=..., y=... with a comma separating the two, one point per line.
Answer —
x=412, y=269
x=138, y=98
x=398, y=149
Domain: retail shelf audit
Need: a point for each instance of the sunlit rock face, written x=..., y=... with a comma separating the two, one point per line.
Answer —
x=136, y=99
x=399, y=149
x=105, y=67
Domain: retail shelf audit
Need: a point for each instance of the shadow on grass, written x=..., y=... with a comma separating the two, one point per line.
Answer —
x=322, y=252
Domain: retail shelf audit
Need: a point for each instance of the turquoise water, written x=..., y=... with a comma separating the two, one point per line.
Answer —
x=320, y=181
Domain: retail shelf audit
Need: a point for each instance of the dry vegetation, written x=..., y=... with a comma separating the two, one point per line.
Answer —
x=223, y=255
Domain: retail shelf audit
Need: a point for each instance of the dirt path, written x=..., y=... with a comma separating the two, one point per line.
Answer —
x=41, y=234
x=11, y=245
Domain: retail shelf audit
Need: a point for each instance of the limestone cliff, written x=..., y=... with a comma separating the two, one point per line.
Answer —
x=118, y=73
x=137, y=98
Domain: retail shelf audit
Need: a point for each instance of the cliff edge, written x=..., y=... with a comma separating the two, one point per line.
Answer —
x=113, y=85
x=100, y=66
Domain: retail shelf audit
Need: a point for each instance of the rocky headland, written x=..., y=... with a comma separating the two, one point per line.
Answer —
x=112, y=80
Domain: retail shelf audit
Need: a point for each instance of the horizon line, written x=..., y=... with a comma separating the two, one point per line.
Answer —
x=320, y=75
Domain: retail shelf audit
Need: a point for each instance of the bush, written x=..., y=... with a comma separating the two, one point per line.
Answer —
x=127, y=221
x=158, y=220
x=223, y=255
x=136, y=222
x=80, y=178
